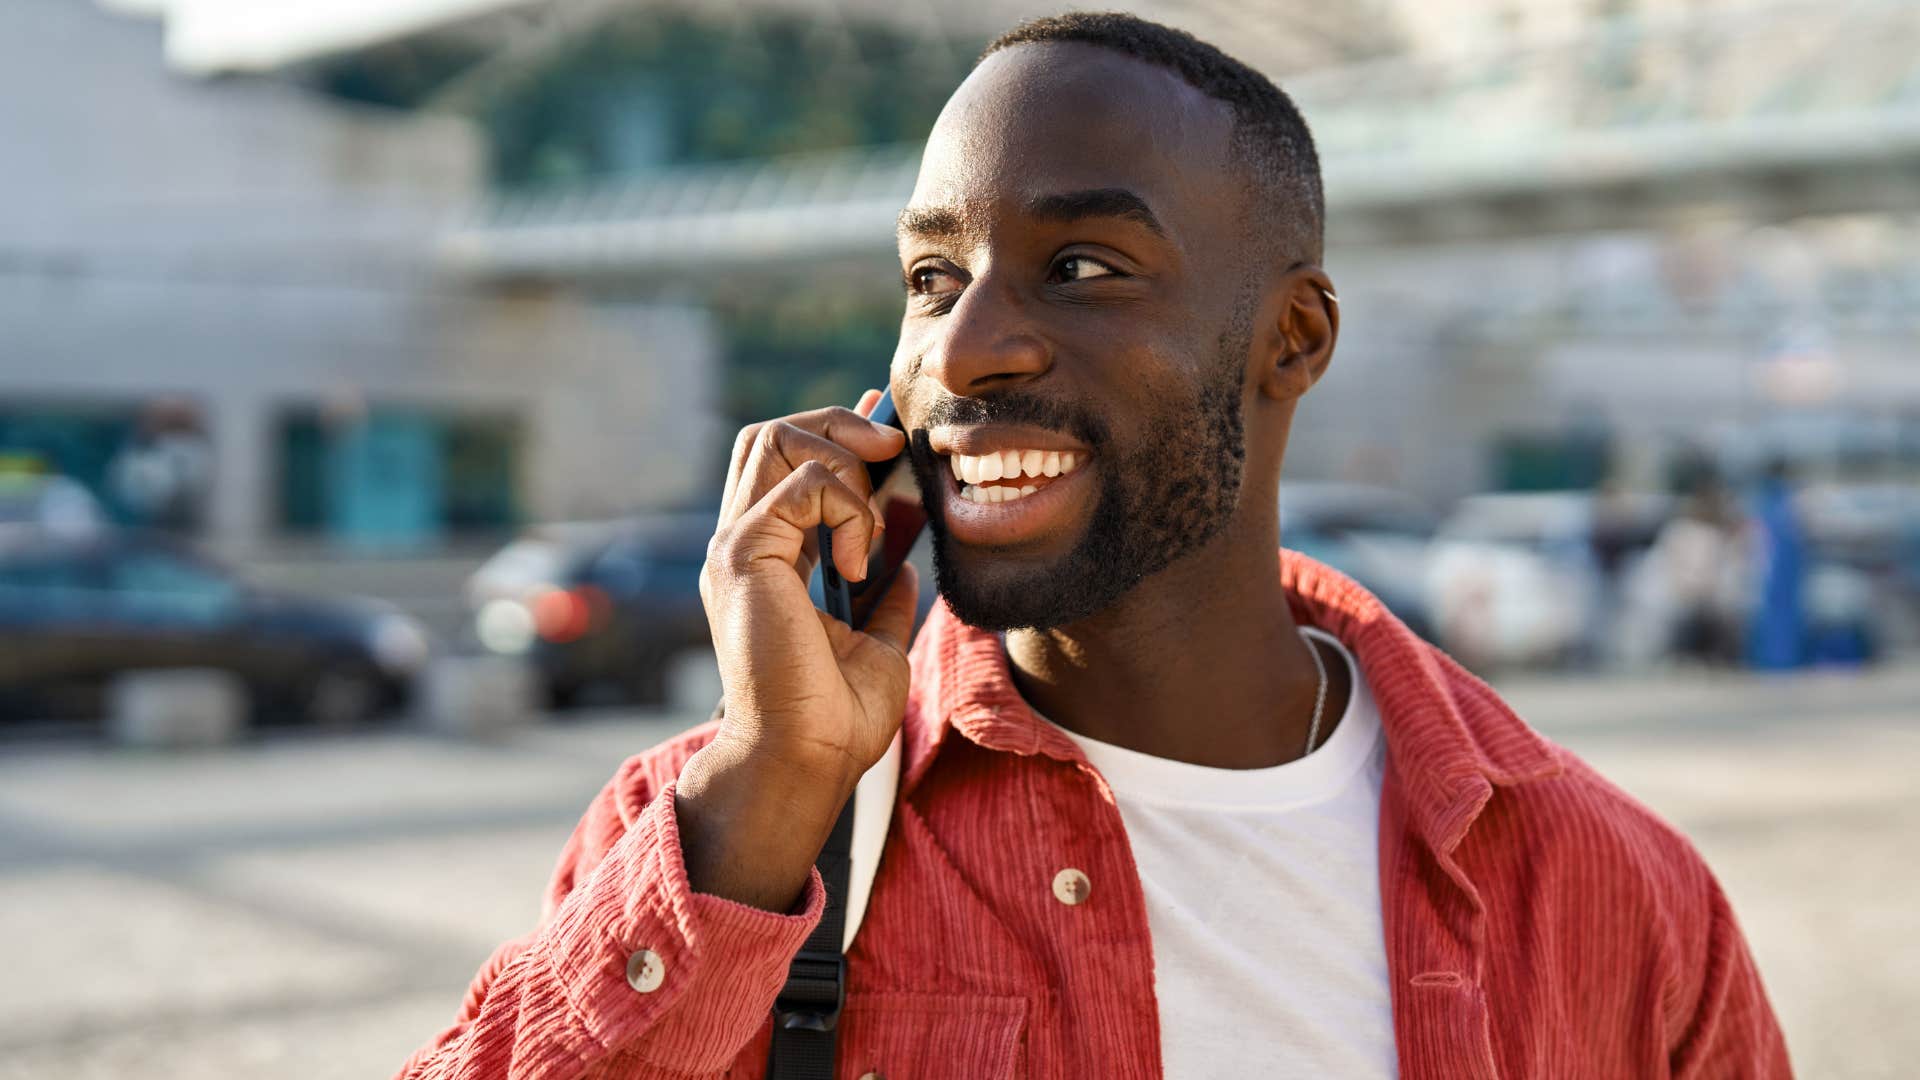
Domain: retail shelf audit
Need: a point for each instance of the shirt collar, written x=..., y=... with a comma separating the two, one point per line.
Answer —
x=1448, y=734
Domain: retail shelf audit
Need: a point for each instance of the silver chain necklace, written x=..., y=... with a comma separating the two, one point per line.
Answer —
x=1319, y=699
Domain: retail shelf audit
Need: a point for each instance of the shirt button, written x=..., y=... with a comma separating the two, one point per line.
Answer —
x=646, y=971
x=1071, y=887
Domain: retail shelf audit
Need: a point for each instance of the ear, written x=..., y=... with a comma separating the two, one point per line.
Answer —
x=1305, y=318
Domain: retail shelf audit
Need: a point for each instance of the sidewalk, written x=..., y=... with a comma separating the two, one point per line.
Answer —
x=312, y=906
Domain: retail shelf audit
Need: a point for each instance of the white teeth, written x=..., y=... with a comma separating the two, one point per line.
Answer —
x=980, y=493
x=1011, y=465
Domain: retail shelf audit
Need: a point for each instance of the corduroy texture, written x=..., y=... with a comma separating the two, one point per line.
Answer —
x=1539, y=923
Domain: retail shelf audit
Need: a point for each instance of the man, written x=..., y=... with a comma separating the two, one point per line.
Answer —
x=1166, y=808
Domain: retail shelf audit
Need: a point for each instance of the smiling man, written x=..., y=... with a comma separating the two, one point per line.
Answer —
x=1170, y=805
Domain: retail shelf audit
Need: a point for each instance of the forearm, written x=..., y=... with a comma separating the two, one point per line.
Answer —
x=753, y=821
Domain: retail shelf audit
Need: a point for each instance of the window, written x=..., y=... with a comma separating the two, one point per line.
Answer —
x=396, y=476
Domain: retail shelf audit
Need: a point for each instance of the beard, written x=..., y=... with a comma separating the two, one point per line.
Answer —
x=1158, y=500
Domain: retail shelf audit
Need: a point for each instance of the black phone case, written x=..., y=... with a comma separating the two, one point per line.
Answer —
x=905, y=517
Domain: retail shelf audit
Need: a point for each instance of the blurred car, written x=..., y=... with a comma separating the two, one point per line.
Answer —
x=1513, y=579
x=599, y=609
x=76, y=613
x=1872, y=529
x=1377, y=536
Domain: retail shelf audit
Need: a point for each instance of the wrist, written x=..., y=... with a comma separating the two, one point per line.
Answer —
x=752, y=824
x=800, y=767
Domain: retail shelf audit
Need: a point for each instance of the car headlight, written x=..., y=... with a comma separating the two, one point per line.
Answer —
x=504, y=626
x=398, y=643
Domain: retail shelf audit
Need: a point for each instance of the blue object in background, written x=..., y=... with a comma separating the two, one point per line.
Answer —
x=386, y=482
x=1776, y=641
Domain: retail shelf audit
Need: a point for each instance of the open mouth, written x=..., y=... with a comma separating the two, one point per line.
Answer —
x=1010, y=475
x=1017, y=497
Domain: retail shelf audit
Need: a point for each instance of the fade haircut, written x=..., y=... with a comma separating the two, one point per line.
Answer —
x=1270, y=137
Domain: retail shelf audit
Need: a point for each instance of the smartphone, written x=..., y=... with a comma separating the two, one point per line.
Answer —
x=906, y=517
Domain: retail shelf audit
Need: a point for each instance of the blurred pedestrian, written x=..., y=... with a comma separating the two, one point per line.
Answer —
x=162, y=475
x=1777, y=633
x=1699, y=554
x=1614, y=534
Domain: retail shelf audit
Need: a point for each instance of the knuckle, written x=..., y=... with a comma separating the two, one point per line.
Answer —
x=728, y=561
x=719, y=554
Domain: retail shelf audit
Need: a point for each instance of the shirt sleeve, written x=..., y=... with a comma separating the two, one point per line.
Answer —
x=1733, y=1031
x=559, y=1001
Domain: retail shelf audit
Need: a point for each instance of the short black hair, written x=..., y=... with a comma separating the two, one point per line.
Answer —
x=1270, y=137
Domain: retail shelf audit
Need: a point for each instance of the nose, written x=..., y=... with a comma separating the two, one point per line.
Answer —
x=986, y=342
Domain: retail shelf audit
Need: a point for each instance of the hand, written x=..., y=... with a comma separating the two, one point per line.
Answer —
x=811, y=703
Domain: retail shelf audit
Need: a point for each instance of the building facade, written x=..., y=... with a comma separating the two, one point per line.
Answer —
x=222, y=312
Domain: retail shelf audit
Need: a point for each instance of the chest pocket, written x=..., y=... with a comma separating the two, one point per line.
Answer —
x=901, y=1036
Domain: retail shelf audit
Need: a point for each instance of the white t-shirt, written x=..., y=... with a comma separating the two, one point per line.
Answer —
x=1263, y=898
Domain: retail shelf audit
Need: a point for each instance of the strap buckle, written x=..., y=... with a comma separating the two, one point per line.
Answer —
x=815, y=991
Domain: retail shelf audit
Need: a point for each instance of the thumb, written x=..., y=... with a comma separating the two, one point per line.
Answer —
x=892, y=618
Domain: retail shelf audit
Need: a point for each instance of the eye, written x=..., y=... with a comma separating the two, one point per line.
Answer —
x=1081, y=268
x=931, y=281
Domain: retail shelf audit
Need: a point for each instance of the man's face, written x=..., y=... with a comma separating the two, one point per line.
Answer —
x=1074, y=354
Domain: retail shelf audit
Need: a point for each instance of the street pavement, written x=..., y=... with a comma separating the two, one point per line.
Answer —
x=312, y=905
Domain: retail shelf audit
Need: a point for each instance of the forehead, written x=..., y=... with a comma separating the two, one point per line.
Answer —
x=1040, y=119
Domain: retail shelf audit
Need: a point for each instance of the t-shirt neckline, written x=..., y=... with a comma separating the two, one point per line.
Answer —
x=1317, y=777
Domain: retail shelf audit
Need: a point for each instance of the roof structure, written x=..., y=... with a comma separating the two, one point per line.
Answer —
x=1619, y=124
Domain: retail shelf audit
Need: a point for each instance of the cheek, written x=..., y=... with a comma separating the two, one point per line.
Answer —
x=1151, y=383
x=905, y=367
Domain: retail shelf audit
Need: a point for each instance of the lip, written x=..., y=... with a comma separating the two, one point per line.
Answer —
x=995, y=438
x=1047, y=512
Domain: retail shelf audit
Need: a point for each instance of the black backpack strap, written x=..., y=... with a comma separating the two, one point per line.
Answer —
x=807, y=1010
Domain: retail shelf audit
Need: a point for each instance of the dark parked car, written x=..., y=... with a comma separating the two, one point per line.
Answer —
x=74, y=613
x=600, y=608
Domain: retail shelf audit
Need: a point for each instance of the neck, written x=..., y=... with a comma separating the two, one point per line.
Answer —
x=1201, y=662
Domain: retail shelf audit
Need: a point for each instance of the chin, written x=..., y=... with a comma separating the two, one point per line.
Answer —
x=1000, y=592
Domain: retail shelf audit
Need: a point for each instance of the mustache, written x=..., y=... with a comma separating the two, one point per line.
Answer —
x=1012, y=407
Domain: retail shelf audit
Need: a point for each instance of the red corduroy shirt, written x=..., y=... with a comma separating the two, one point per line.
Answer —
x=1539, y=922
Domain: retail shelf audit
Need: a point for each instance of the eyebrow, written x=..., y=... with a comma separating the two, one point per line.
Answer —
x=1072, y=206
x=1062, y=208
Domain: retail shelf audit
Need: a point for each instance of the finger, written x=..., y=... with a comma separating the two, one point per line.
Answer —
x=779, y=449
x=868, y=399
x=868, y=440
x=892, y=618
x=736, y=464
x=778, y=527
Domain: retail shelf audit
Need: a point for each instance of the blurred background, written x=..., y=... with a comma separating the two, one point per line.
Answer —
x=367, y=369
